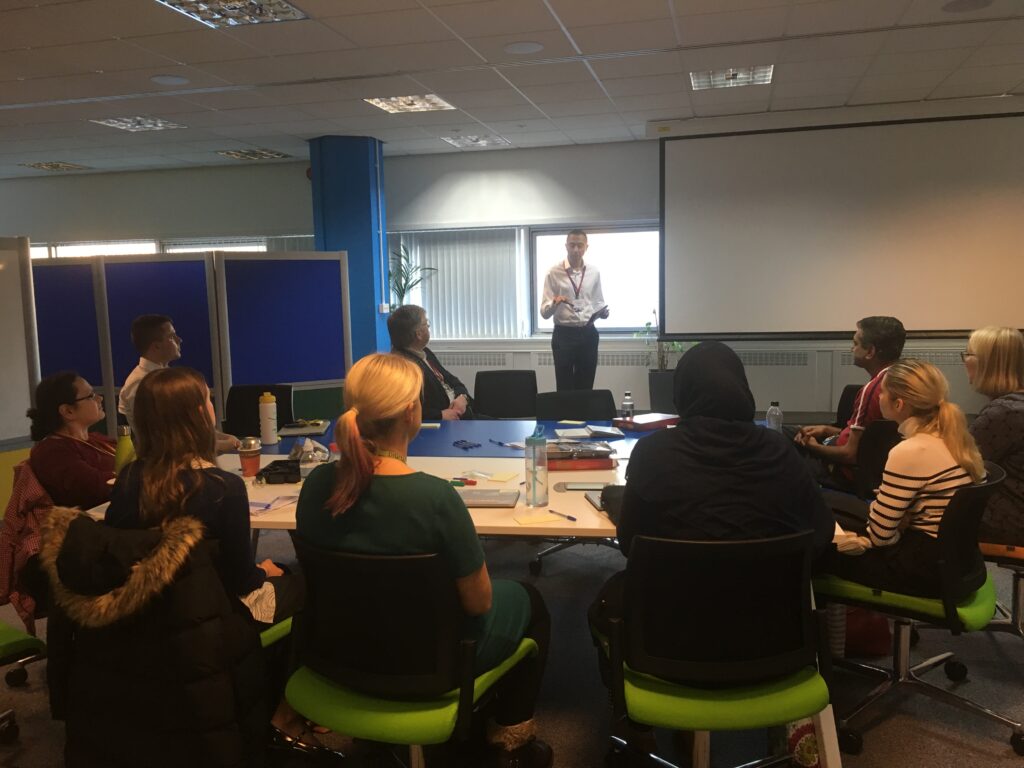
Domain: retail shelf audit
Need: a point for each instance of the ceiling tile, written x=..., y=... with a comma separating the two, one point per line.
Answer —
x=229, y=99
x=505, y=97
x=1008, y=33
x=820, y=70
x=418, y=147
x=967, y=91
x=601, y=133
x=378, y=87
x=283, y=38
x=496, y=17
x=638, y=66
x=747, y=94
x=722, y=109
x=992, y=55
x=946, y=59
x=641, y=86
x=806, y=88
x=331, y=8
x=493, y=48
x=823, y=101
x=343, y=107
x=653, y=101
x=844, y=16
x=34, y=63
x=107, y=56
x=725, y=57
x=927, y=11
x=584, y=122
x=577, y=91
x=457, y=81
x=509, y=127
x=305, y=93
x=138, y=80
x=374, y=30
x=539, y=139
x=196, y=46
x=888, y=96
x=1007, y=75
x=901, y=81
x=835, y=47
x=934, y=38
x=712, y=28
x=634, y=36
x=688, y=7
x=667, y=113
x=547, y=74
x=584, y=13
x=562, y=108
x=273, y=114
x=489, y=114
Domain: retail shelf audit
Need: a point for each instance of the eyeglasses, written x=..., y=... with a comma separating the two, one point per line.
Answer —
x=94, y=395
x=965, y=355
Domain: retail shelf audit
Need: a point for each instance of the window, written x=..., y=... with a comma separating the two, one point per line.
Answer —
x=478, y=289
x=628, y=261
x=215, y=244
x=116, y=248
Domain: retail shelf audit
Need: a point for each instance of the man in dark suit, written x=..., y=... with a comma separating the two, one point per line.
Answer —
x=444, y=396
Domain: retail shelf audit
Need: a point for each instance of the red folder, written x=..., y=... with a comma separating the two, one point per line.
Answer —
x=563, y=465
x=646, y=422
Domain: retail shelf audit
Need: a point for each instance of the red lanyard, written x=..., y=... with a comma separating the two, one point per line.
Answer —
x=576, y=288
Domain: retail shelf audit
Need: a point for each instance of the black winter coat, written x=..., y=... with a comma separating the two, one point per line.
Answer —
x=150, y=662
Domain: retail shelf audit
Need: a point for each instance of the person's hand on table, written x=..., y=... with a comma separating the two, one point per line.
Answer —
x=449, y=414
x=227, y=443
x=270, y=568
x=459, y=404
x=817, y=431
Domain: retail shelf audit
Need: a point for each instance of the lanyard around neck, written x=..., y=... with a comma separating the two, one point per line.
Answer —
x=576, y=288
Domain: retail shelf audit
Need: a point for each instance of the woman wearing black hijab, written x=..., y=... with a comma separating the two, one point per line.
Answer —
x=717, y=475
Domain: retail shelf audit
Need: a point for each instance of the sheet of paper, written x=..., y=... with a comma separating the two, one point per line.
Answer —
x=430, y=425
x=257, y=507
x=532, y=517
x=503, y=477
x=571, y=421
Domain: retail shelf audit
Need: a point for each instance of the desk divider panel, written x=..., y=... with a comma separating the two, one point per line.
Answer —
x=284, y=317
x=67, y=324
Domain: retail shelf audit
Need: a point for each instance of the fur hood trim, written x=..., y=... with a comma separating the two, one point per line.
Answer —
x=148, y=578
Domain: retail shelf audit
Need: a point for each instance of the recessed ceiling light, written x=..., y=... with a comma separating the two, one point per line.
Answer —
x=136, y=124
x=476, y=141
x=232, y=13
x=524, y=46
x=56, y=166
x=253, y=154
x=732, y=78
x=427, y=103
x=965, y=6
x=169, y=80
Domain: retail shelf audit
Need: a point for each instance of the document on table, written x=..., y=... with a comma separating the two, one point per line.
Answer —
x=259, y=507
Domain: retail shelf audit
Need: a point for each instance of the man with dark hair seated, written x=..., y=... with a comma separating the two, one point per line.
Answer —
x=877, y=344
x=444, y=396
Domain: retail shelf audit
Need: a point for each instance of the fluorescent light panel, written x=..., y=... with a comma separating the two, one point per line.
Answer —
x=732, y=78
x=476, y=141
x=136, y=124
x=56, y=166
x=233, y=13
x=253, y=154
x=428, y=102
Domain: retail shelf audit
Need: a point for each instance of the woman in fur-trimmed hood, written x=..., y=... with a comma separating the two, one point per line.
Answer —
x=151, y=663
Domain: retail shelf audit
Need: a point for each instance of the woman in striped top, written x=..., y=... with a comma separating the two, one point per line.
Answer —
x=937, y=456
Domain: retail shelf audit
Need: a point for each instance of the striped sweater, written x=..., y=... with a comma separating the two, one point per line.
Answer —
x=919, y=479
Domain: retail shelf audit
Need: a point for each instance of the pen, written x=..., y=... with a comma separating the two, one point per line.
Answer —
x=562, y=514
x=498, y=442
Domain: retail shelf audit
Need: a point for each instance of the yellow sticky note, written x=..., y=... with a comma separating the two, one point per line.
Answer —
x=533, y=518
x=503, y=477
x=430, y=425
x=570, y=421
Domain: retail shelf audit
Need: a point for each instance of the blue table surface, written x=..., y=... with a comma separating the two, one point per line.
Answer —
x=439, y=441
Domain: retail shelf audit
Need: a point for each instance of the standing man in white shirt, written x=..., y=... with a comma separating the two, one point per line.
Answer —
x=158, y=345
x=572, y=293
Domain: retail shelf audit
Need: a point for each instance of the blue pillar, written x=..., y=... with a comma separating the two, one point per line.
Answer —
x=348, y=215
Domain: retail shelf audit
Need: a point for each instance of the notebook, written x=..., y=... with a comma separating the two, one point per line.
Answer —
x=487, y=497
x=304, y=427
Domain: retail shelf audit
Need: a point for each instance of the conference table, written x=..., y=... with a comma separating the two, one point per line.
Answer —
x=436, y=451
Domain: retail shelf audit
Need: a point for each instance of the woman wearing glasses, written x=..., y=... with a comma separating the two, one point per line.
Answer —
x=995, y=367
x=72, y=464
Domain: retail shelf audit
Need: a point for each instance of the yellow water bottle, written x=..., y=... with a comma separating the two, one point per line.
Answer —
x=124, y=454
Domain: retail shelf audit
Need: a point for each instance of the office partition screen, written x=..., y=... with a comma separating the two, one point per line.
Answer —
x=66, y=324
x=14, y=374
x=805, y=231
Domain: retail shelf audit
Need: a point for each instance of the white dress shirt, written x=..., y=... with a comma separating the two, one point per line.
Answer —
x=581, y=286
x=126, y=398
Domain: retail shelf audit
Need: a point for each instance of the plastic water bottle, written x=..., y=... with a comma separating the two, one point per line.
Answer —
x=628, y=407
x=124, y=453
x=773, y=417
x=537, y=469
x=268, y=419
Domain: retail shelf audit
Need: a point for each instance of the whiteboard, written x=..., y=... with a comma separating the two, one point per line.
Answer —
x=14, y=352
x=806, y=231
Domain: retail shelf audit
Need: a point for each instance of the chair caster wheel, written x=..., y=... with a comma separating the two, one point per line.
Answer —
x=1017, y=742
x=535, y=566
x=16, y=677
x=955, y=671
x=9, y=732
x=850, y=741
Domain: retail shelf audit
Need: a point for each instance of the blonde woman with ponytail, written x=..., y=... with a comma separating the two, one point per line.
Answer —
x=937, y=456
x=371, y=502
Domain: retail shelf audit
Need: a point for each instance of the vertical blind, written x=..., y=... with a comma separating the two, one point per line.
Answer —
x=475, y=291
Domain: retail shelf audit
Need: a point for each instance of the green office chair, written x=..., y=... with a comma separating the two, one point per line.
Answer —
x=967, y=604
x=735, y=650
x=18, y=648
x=380, y=648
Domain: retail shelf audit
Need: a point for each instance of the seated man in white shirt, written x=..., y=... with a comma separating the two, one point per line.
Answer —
x=158, y=345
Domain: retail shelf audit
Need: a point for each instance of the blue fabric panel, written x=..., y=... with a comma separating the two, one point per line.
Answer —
x=174, y=288
x=66, y=320
x=284, y=320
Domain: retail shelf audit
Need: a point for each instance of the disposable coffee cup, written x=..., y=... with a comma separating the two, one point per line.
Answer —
x=249, y=456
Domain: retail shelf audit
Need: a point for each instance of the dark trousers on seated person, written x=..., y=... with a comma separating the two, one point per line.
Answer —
x=574, y=349
x=516, y=693
x=909, y=567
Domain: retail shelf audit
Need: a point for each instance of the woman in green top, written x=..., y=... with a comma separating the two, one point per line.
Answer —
x=370, y=502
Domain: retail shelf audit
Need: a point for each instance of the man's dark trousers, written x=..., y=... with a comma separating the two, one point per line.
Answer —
x=575, y=351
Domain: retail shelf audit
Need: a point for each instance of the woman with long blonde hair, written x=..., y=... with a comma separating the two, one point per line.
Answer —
x=937, y=456
x=994, y=360
x=371, y=502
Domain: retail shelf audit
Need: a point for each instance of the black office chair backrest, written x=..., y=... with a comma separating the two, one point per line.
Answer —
x=576, y=404
x=506, y=394
x=880, y=437
x=844, y=409
x=386, y=625
x=242, y=409
x=725, y=613
x=961, y=564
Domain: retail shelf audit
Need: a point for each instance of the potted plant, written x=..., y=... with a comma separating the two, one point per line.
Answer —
x=659, y=379
x=405, y=275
